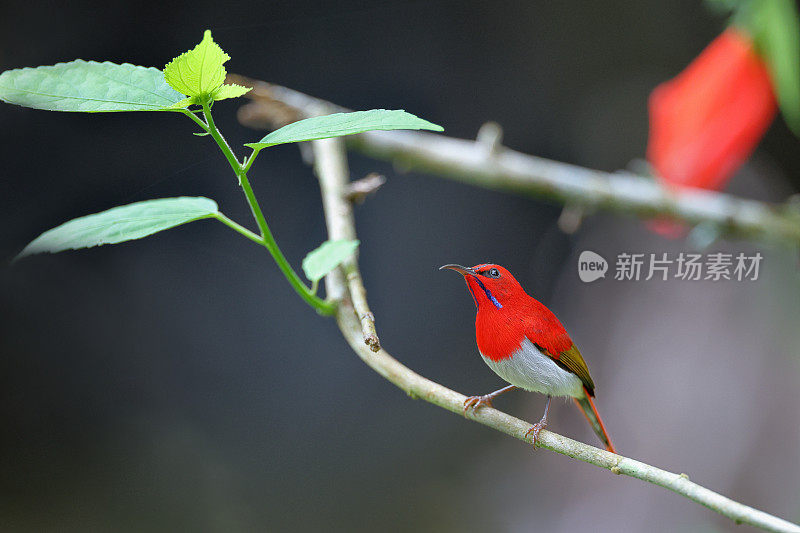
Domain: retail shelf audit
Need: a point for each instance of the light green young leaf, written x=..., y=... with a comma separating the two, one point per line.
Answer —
x=339, y=124
x=220, y=93
x=231, y=90
x=327, y=257
x=88, y=86
x=119, y=224
x=186, y=102
x=199, y=71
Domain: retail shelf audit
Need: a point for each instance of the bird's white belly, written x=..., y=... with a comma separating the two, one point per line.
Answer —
x=532, y=370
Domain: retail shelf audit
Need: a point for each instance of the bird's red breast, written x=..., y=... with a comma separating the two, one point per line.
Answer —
x=500, y=332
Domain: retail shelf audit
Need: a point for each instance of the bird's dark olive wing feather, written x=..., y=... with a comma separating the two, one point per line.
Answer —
x=572, y=360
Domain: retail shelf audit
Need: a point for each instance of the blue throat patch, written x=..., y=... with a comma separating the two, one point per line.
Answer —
x=488, y=294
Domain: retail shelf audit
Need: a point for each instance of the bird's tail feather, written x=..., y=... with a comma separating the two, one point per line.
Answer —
x=590, y=412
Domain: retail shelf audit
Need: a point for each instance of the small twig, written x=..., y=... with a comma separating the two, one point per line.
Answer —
x=277, y=114
x=504, y=169
x=344, y=285
x=571, y=218
x=357, y=191
x=490, y=137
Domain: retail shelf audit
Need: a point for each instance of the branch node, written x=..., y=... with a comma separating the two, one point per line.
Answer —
x=357, y=191
x=616, y=470
x=369, y=332
x=571, y=218
x=684, y=476
x=490, y=137
x=793, y=204
x=306, y=153
x=703, y=235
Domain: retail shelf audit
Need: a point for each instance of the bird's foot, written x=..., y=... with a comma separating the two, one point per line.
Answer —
x=474, y=402
x=537, y=427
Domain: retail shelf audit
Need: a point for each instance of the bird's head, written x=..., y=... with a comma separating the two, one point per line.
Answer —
x=492, y=286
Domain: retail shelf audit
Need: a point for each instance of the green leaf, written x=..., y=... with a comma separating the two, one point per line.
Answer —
x=88, y=86
x=230, y=91
x=200, y=71
x=119, y=224
x=340, y=124
x=776, y=30
x=327, y=257
x=724, y=7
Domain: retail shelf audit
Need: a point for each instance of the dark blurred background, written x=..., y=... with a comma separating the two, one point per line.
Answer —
x=177, y=383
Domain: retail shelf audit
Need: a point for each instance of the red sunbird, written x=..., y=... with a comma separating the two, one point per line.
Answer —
x=526, y=345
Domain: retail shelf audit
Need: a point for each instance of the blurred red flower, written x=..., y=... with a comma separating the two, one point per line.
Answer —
x=707, y=121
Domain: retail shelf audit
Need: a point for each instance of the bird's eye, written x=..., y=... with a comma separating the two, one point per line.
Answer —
x=494, y=273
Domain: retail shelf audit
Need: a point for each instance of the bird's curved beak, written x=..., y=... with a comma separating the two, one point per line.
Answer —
x=464, y=271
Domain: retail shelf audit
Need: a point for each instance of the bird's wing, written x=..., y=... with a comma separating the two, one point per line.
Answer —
x=548, y=334
x=572, y=360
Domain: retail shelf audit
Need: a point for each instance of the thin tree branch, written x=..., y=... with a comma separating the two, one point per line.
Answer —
x=345, y=286
x=330, y=159
x=493, y=166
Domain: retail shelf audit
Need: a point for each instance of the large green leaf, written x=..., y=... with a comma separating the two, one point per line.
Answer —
x=781, y=42
x=327, y=257
x=88, y=86
x=776, y=31
x=124, y=223
x=340, y=124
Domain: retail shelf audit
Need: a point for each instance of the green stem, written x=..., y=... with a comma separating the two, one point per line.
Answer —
x=239, y=228
x=266, y=239
x=249, y=161
x=222, y=143
x=194, y=117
